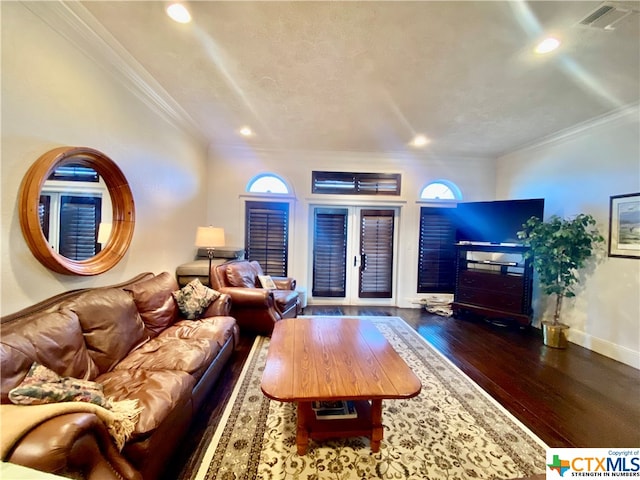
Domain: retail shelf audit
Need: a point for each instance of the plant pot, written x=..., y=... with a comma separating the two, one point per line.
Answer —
x=555, y=335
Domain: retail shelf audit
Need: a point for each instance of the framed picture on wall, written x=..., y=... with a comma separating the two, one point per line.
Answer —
x=624, y=226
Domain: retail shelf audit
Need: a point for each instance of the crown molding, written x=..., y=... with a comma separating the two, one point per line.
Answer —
x=356, y=156
x=74, y=22
x=632, y=109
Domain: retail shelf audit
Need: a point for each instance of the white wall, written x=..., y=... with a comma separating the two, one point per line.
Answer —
x=577, y=172
x=233, y=169
x=53, y=95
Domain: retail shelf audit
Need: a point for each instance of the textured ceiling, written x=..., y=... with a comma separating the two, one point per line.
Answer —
x=367, y=76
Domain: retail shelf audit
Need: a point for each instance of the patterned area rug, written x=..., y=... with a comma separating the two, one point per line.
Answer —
x=452, y=430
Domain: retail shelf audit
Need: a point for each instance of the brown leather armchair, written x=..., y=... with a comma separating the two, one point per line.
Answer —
x=255, y=309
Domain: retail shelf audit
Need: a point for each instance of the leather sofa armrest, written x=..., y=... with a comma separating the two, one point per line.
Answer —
x=284, y=283
x=249, y=297
x=221, y=307
x=74, y=442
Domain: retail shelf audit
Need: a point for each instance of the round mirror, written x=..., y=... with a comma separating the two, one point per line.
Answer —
x=76, y=211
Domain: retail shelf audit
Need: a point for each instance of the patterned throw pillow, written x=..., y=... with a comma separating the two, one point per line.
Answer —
x=42, y=385
x=194, y=298
x=267, y=282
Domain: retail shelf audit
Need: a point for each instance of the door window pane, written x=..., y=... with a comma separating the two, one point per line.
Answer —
x=329, y=252
x=376, y=250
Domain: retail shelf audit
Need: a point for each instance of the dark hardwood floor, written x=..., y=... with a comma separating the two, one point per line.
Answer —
x=568, y=398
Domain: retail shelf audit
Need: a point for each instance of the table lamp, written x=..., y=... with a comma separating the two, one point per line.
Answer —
x=104, y=232
x=210, y=238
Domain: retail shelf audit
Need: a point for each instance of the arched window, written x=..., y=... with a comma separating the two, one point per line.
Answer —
x=436, y=247
x=441, y=190
x=267, y=224
x=267, y=183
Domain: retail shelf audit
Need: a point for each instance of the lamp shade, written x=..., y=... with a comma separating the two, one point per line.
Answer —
x=210, y=237
x=104, y=232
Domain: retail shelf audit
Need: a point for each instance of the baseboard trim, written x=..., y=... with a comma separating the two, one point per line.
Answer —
x=608, y=349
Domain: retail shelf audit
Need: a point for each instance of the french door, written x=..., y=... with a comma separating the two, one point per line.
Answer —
x=352, y=257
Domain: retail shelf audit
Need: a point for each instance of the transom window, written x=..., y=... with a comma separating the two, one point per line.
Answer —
x=267, y=183
x=350, y=183
x=440, y=190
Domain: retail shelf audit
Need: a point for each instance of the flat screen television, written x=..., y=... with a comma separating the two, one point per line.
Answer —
x=495, y=222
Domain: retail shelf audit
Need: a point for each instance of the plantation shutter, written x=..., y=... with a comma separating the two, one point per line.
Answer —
x=44, y=211
x=266, y=236
x=329, y=252
x=79, y=220
x=436, y=252
x=351, y=183
x=376, y=250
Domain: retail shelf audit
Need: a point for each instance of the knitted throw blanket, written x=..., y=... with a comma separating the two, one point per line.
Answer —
x=17, y=420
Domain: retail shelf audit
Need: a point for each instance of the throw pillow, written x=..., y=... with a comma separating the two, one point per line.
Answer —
x=267, y=282
x=194, y=298
x=42, y=386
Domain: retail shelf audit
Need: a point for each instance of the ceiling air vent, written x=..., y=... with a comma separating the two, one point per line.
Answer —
x=608, y=14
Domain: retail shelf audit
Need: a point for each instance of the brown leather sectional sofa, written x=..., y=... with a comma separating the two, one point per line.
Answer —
x=131, y=339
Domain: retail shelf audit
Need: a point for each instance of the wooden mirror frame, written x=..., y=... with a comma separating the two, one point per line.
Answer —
x=121, y=200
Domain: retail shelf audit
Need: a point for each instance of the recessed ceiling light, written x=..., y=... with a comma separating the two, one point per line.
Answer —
x=547, y=45
x=419, y=141
x=179, y=13
x=246, y=132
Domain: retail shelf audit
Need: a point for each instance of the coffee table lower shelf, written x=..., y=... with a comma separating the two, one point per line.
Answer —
x=368, y=423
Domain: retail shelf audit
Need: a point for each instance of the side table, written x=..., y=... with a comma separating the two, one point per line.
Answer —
x=187, y=272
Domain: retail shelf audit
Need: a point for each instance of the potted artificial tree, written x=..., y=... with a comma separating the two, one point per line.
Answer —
x=558, y=249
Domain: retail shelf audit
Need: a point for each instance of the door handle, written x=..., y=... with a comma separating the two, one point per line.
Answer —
x=355, y=260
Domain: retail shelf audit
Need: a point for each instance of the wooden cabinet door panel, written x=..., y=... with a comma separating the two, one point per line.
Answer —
x=509, y=303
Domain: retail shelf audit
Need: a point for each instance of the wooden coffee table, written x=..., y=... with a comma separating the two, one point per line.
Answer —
x=335, y=358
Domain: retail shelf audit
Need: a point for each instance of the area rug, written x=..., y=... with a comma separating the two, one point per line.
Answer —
x=452, y=430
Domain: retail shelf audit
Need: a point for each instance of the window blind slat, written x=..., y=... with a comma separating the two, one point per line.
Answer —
x=376, y=246
x=266, y=236
x=355, y=183
x=44, y=211
x=329, y=253
x=79, y=220
x=436, y=251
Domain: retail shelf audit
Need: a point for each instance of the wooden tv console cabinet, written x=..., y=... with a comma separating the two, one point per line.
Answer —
x=493, y=281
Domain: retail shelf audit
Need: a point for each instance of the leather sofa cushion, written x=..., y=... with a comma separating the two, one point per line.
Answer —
x=218, y=329
x=110, y=323
x=155, y=303
x=165, y=353
x=257, y=267
x=241, y=274
x=285, y=298
x=158, y=392
x=53, y=339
